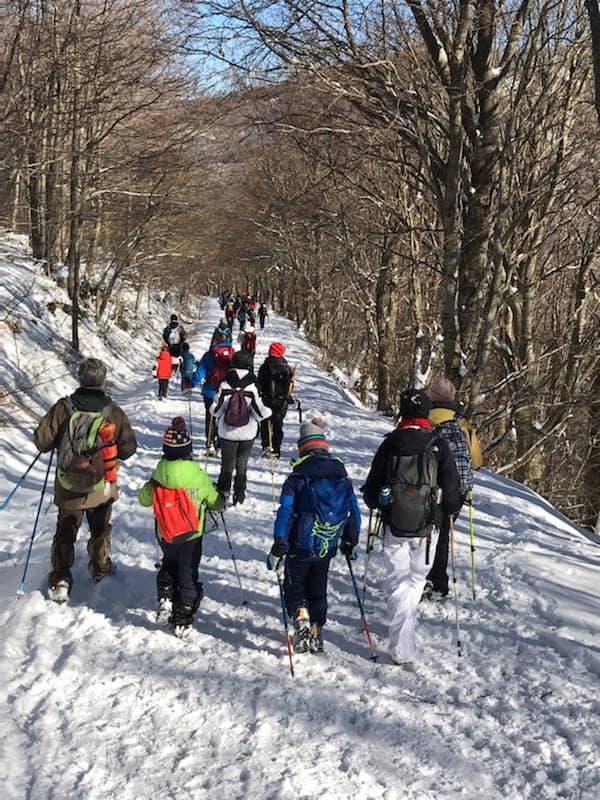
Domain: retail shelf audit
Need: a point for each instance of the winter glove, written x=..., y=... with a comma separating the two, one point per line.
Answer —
x=290, y=401
x=349, y=550
x=277, y=553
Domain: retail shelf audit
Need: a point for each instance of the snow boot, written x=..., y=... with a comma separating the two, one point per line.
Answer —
x=164, y=610
x=427, y=591
x=301, y=637
x=99, y=573
x=315, y=642
x=182, y=619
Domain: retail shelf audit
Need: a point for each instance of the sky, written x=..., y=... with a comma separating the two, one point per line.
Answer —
x=99, y=702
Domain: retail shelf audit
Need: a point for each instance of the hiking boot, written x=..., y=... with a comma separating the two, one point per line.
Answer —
x=59, y=592
x=164, y=610
x=405, y=664
x=98, y=573
x=427, y=591
x=266, y=453
x=239, y=495
x=315, y=643
x=301, y=637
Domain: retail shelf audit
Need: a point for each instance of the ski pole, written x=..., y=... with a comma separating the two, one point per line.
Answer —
x=299, y=406
x=371, y=536
x=18, y=483
x=208, y=440
x=21, y=589
x=244, y=601
x=190, y=416
x=458, y=646
x=272, y=460
x=286, y=629
x=472, y=540
x=373, y=655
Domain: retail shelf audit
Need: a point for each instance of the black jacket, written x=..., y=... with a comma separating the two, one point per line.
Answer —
x=406, y=442
x=274, y=376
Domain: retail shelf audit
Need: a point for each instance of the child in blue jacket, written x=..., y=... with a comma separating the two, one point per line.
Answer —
x=317, y=510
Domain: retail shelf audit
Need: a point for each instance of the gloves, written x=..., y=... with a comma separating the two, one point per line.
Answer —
x=277, y=553
x=290, y=401
x=349, y=550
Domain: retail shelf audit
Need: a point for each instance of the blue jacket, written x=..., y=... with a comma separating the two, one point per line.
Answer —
x=203, y=372
x=188, y=366
x=317, y=480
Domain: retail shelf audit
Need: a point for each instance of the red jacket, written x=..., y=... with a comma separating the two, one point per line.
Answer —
x=164, y=365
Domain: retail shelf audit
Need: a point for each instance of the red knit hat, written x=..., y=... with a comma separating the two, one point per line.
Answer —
x=277, y=349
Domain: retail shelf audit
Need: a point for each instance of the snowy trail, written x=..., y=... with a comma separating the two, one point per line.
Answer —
x=100, y=703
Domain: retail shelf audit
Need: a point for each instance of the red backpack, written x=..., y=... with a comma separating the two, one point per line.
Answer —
x=222, y=355
x=176, y=515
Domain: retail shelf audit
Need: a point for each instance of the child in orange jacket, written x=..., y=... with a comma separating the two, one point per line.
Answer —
x=164, y=370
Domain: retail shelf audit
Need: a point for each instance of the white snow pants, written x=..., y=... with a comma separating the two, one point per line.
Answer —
x=406, y=575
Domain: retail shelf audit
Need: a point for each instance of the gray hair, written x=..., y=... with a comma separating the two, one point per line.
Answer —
x=92, y=372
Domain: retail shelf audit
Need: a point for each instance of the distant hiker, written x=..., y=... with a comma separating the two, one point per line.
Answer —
x=251, y=315
x=274, y=384
x=411, y=466
x=164, y=370
x=230, y=314
x=464, y=446
x=90, y=433
x=188, y=367
x=317, y=511
x=238, y=410
x=174, y=336
x=211, y=370
x=179, y=490
x=248, y=343
x=242, y=314
x=222, y=332
x=262, y=315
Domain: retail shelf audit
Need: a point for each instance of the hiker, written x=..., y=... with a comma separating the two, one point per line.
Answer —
x=238, y=410
x=464, y=446
x=274, y=384
x=210, y=371
x=179, y=490
x=410, y=466
x=174, y=336
x=86, y=481
x=188, y=367
x=248, y=343
x=262, y=315
x=222, y=332
x=164, y=370
x=317, y=511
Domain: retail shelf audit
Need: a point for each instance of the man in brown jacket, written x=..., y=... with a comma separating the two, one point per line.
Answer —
x=96, y=503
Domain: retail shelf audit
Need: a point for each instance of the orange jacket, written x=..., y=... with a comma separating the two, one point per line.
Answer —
x=164, y=365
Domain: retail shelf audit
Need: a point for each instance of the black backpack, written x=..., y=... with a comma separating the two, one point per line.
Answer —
x=414, y=506
x=280, y=375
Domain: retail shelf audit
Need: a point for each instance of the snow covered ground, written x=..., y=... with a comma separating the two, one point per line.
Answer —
x=98, y=702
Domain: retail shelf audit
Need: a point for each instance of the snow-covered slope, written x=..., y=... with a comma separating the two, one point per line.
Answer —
x=98, y=703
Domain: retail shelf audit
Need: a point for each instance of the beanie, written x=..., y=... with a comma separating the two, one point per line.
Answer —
x=441, y=390
x=176, y=441
x=242, y=360
x=312, y=438
x=173, y=317
x=277, y=349
x=414, y=404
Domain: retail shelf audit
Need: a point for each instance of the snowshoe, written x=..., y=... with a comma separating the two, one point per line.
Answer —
x=59, y=593
x=301, y=637
x=315, y=643
x=164, y=610
x=427, y=591
x=182, y=631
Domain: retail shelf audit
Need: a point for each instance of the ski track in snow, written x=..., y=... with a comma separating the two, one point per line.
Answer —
x=100, y=702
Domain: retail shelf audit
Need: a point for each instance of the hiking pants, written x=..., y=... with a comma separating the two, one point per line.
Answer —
x=406, y=573
x=233, y=455
x=305, y=584
x=177, y=578
x=208, y=401
x=163, y=387
x=276, y=420
x=438, y=574
x=62, y=553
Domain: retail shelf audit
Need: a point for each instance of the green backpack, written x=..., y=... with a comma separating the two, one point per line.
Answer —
x=80, y=467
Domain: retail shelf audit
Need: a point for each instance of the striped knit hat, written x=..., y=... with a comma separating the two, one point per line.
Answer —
x=312, y=438
x=176, y=441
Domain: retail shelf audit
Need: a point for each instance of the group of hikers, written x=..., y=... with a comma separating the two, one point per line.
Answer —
x=420, y=477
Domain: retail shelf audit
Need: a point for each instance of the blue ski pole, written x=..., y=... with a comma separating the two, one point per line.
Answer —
x=18, y=483
x=288, y=641
x=21, y=589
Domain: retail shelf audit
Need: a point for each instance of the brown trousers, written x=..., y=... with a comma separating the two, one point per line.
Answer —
x=62, y=554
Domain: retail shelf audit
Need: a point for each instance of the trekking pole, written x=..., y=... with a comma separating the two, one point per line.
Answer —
x=472, y=540
x=21, y=589
x=272, y=460
x=458, y=646
x=18, y=483
x=286, y=628
x=299, y=406
x=190, y=416
x=244, y=601
x=373, y=655
x=208, y=440
x=371, y=536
